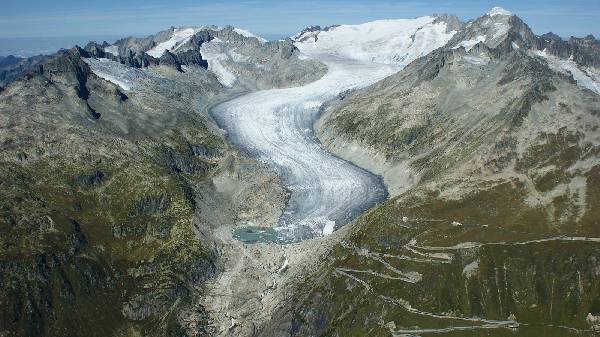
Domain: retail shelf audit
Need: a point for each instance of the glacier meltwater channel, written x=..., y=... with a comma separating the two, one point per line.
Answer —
x=276, y=125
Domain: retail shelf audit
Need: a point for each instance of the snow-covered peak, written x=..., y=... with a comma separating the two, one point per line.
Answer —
x=499, y=11
x=397, y=42
x=181, y=36
x=490, y=29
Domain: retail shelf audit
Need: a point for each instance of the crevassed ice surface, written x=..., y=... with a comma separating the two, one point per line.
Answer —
x=277, y=125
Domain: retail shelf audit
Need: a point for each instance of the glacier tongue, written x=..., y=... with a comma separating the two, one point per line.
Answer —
x=277, y=125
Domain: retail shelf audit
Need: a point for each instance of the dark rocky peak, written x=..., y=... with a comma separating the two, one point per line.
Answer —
x=200, y=38
x=170, y=59
x=230, y=34
x=95, y=50
x=137, y=59
x=584, y=51
x=590, y=39
x=550, y=37
x=12, y=67
x=496, y=28
x=67, y=68
x=67, y=62
x=196, y=41
x=128, y=57
x=192, y=57
x=9, y=61
x=307, y=33
x=312, y=32
x=452, y=22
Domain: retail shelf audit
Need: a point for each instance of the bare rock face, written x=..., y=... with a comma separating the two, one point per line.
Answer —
x=584, y=51
x=170, y=59
x=12, y=67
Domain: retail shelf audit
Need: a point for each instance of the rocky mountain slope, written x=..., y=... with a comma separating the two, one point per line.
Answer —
x=106, y=169
x=490, y=148
x=12, y=67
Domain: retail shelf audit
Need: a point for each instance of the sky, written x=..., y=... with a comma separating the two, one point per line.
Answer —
x=28, y=23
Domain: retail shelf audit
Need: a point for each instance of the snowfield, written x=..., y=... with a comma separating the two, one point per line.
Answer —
x=112, y=49
x=180, y=36
x=384, y=41
x=277, y=125
x=123, y=76
x=585, y=77
x=214, y=52
x=246, y=33
x=469, y=44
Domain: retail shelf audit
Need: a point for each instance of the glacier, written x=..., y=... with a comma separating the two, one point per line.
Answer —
x=276, y=125
x=584, y=76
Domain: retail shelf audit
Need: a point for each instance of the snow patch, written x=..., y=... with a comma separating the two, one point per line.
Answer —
x=468, y=44
x=179, y=37
x=471, y=269
x=498, y=11
x=329, y=227
x=112, y=50
x=584, y=76
x=123, y=76
x=214, y=52
x=500, y=29
x=237, y=57
x=246, y=33
x=284, y=266
x=476, y=60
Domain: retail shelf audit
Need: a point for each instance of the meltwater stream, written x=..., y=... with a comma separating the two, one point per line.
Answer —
x=277, y=127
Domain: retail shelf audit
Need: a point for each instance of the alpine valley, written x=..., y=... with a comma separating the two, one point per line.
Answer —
x=405, y=177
